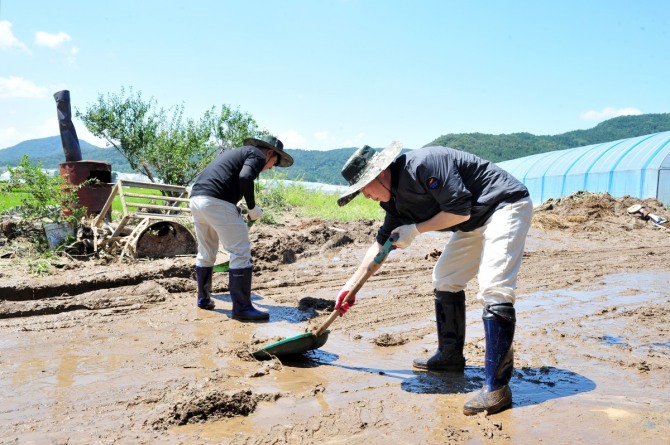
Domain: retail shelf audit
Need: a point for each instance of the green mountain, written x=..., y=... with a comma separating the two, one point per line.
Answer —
x=325, y=166
x=319, y=166
x=504, y=147
x=49, y=151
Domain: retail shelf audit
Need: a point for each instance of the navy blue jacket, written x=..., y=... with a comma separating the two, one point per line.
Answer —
x=433, y=179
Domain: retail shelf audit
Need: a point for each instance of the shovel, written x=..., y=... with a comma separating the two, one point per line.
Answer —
x=302, y=343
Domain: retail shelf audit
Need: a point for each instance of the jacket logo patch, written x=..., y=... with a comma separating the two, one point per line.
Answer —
x=432, y=183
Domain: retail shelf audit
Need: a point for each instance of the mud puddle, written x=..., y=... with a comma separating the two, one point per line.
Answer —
x=347, y=372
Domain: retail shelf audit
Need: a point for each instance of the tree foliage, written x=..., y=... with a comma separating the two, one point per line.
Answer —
x=162, y=144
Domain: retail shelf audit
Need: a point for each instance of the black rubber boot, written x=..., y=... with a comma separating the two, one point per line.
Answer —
x=450, y=315
x=240, y=293
x=203, y=275
x=496, y=395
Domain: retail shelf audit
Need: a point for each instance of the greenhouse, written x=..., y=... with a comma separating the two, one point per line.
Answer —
x=637, y=167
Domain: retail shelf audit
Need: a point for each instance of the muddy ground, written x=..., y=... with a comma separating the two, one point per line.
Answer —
x=105, y=352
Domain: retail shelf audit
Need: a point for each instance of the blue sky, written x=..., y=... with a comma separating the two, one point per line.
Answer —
x=324, y=74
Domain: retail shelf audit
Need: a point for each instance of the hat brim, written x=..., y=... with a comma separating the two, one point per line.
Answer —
x=347, y=197
x=285, y=159
x=377, y=164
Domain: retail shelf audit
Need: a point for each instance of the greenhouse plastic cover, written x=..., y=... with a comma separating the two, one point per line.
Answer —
x=637, y=167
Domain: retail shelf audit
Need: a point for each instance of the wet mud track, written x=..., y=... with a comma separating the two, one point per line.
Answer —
x=136, y=362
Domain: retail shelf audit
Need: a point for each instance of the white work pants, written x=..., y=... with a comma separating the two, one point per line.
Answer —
x=493, y=252
x=217, y=221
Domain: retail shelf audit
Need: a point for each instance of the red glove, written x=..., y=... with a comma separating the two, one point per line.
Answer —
x=346, y=306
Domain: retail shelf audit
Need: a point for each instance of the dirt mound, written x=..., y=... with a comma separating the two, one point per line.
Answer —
x=387, y=339
x=285, y=244
x=272, y=246
x=582, y=211
x=208, y=407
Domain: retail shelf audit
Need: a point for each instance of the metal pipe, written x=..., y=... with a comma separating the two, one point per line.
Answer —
x=68, y=134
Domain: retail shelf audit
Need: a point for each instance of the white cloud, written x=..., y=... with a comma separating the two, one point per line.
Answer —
x=322, y=135
x=609, y=112
x=58, y=41
x=50, y=127
x=71, y=55
x=84, y=135
x=10, y=136
x=357, y=141
x=51, y=40
x=18, y=87
x=292, y=139
x=7, y=38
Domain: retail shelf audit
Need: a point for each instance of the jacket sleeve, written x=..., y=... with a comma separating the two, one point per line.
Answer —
x=252, y=167
x=247, y=189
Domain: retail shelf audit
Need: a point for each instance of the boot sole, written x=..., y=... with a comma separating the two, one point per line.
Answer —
x=237, y=317
x=504, y=403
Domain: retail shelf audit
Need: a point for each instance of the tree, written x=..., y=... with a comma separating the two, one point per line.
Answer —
x=169, y=149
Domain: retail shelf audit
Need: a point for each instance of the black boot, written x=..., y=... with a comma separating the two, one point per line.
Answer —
x=495, y=396
x=450, y=315
x=203, y=275
x=240, y=293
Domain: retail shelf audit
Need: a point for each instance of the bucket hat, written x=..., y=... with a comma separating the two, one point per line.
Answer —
x=271, y=142
x=365, y=165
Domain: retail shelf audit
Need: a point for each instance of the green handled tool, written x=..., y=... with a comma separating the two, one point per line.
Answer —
x=302, y=343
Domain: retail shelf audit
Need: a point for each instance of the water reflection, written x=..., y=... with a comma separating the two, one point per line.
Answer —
x=531, y=386
x=278, y=313
x=427, y=382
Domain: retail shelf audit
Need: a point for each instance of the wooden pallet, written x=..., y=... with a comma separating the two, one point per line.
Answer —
x=142, y=214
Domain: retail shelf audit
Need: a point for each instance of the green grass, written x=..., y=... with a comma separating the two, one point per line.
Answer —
x=117, y=208
x=9, y=200
x=276, y=201
x=13, y=199
x=116, y=204
x=293, y=198
x=317, y=204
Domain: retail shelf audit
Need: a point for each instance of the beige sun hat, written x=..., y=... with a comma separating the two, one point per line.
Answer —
x=271, y=142
x=365, y=165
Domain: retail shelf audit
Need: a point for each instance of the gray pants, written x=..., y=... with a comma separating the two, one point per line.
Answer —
x=220, y=221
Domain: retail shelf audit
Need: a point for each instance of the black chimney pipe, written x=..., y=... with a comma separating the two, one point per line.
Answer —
x=68, y=135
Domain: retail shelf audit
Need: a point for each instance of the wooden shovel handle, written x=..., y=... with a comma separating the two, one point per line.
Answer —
x=373, y=267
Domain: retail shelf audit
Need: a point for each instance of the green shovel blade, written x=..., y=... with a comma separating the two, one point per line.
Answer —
x=298, y=344
x=223, y=267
